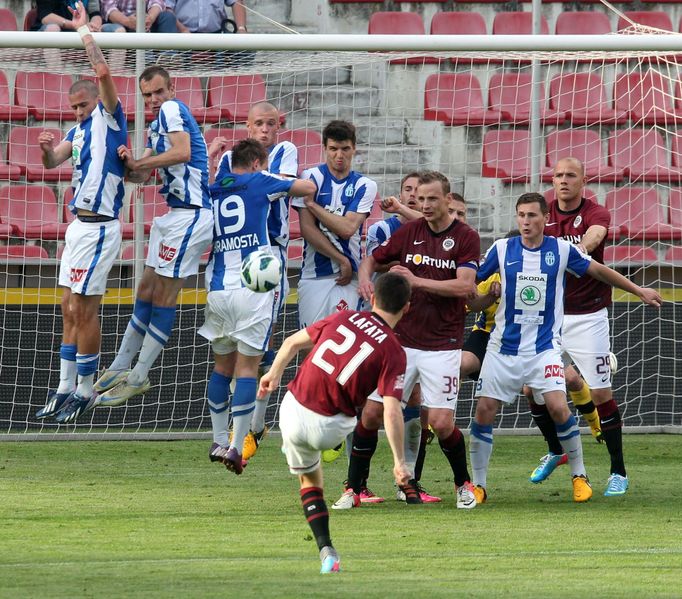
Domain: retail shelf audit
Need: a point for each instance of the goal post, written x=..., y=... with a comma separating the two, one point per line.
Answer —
x=491, y=112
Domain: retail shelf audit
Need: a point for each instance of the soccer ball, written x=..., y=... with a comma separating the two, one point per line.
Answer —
x=261, y=271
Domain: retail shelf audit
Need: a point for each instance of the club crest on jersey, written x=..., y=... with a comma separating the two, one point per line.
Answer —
x=349, y=191
x=578, y=221
x=554, y=371
x=166, y=253
x=77, y=274
x=448, y=243
x=530, y=295
x=550, y=258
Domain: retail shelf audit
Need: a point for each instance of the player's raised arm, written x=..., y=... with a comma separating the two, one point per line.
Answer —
x=345, y=226
x=608, y=275
x=290, y=347
x=392, y=205
x=107, y=89
x=53, y=156
x=463, y=286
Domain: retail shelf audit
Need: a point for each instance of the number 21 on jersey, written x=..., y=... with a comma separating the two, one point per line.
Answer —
x=340, y=349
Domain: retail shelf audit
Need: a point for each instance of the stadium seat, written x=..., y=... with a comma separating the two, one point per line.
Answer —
x=510, y=93
x=8, y=22
x=8, y=172
x=650, y=18
x=32, y=210
x=44, y=94
x=399, y=23
x=585, y=145
x=21, y=252
x=232, y=136
x=5, y=230
x=646, y=98
x=233, y=95
x=456, y=99
x=517, y=23
x=459, y=23
x=506, y=155
x=642, y=155
x=375, y=215
x=309, y=144
x=23, y=151
x=674, y=255
x=582, y=96
x=30, y=18
x=128, y=251
x=675, y=207
x=629, y=255
x=127, y=88
x=582, y=23
x=294, y=223
x=189, y=91
x=640, y=213
x=9, y=111
x=154, y=205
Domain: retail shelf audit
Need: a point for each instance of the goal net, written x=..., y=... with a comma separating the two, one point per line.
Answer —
x=472, y=115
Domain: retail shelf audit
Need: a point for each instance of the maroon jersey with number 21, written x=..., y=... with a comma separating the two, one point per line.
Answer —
x=354, y=354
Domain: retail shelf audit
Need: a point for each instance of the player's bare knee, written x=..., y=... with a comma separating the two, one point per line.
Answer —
x=486, y=410
x=600, y=396
x=372, y=415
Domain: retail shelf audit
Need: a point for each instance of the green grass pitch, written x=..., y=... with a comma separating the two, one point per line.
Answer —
x=157, y=519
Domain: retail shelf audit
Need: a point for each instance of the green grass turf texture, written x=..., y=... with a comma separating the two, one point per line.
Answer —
x=157, y=519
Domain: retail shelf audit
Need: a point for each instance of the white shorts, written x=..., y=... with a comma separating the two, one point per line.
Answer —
x=89, y=254
x=282, y=292
x=318, y=298
x=502, y=376
x=238, y=320
x=585, y=341
x=305, y=434
x=177, y=241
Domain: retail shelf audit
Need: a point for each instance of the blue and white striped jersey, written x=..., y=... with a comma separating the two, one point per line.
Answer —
x=380, y=232
x=185, y=185
x=531, y=311
x=97, y=170
x=240, y=208
x=282, y=160
x=355, y=193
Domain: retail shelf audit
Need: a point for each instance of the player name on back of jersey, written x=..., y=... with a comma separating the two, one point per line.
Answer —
x=236, y=243
x=370, y=328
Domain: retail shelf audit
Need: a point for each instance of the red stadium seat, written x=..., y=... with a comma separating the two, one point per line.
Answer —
x=399, y=23
x=32, y=210
x=30, y=18
x=8, y=22
x=46, y=95
x=582, y=23
x=585, y=145
x=675, y=207
x=674, y=255
x=20, y=252
x=375, y=215
x=506, y=155
x=309, y=144
x=295, y=254
x=23, y=151
x=510, y=93
x=646, y=98
x=128, y=252
x=459, y=23
x=233, y=95
x=9, y=111
x=640, y=213
x=8, y=172
x=517, y=23
x=642, y=155
x=456, y=99
x=650, y=18
x=232, y=136
x=294, y=223
x=629, y=255
x=189, y=91
x=127, y=88
x=5, y=230
x=583, y=97
x=154, y=205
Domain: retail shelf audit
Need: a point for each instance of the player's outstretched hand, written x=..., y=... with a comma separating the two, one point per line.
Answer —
x=402, y=474
x=79, y=15
x=268, y=384
x=46, y=141
x=651, y=297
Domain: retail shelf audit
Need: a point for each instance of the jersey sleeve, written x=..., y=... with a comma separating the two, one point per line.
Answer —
x=364, y=197
x=306, y=175
x=274, y=186
x=491, y=263
x=287, y=162
x=392, y=377
x=225, y=165
x=69, y=135
x=170, y=117
x=600, y=216
x=578, y=263
x=470, y=251
x=376, y=235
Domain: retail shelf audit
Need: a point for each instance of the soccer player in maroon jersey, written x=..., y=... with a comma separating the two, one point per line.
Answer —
x=354, y=353
x=439, y=257
x=585, y=332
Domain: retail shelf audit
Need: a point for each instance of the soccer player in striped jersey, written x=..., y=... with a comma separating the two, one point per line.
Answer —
x=177, y=149
x=239, y=321
x=331, y=224
x=525, y=345
x=262, y=123
x=93, y=239
x=354, y=353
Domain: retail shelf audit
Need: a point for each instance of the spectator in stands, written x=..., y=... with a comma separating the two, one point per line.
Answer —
x=121, y=13
x=54, y=15
x=207, y=16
